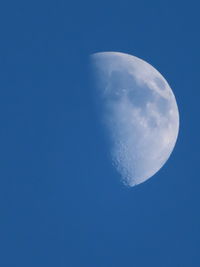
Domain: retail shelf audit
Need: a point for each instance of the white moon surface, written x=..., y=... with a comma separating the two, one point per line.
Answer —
x=139, y=112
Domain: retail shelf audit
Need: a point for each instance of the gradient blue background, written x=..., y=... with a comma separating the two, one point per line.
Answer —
x=61, y=201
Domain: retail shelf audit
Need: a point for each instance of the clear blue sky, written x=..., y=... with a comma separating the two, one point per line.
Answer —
x=61, y=202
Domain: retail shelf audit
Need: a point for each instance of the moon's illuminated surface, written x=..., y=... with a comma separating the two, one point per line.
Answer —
x=139, y=111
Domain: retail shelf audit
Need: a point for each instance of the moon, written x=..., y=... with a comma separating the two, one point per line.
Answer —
x=139, y=113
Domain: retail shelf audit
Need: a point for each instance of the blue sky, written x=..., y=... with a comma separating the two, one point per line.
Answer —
x=61, y=201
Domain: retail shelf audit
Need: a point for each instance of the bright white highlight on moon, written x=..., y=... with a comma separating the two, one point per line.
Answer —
x=139, y=111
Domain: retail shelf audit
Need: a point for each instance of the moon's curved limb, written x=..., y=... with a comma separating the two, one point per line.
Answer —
x=139, y=111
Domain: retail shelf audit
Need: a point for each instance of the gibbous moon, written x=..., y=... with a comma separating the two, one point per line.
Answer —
x=139, y=112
